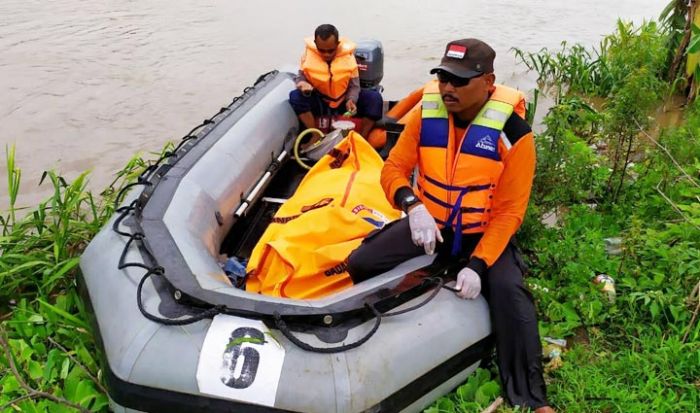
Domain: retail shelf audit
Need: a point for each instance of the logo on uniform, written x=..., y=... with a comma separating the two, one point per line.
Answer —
x=456, y=51
x=486, y=143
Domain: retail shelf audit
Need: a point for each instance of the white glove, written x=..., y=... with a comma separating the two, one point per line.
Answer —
x=468, y=283
x=424, y=230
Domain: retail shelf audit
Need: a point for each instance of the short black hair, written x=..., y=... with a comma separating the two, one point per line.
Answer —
x=325, y=31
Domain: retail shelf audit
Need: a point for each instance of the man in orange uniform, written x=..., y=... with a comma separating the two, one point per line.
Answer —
x=328, y=82
x=476, y=160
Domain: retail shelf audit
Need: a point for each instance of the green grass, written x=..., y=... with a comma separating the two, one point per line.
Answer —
x=48, y=359
x=651, y=374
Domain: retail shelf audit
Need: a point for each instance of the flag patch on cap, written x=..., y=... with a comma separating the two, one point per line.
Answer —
x=456, y=51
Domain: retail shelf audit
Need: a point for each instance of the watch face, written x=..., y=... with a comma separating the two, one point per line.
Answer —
x=408, y=201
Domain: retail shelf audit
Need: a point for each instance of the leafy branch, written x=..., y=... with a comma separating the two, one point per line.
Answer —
x=32, y=393
x=79, y=364
x=668, y=153
x=694, y=296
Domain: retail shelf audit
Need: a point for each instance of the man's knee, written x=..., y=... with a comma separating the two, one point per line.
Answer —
x=359, y=265
x=504, y=284
x=371, y=104
x=373, y=97
x=508, y=294
x=299, y=102
x=505, y=278
x=295, y=96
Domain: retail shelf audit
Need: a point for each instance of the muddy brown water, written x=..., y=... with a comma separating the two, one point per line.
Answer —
x=86, y=85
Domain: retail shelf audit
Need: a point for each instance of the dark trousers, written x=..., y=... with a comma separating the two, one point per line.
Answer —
x=369, y=104
x=511, y=305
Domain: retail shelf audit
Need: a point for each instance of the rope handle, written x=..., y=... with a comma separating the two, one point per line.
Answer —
x=440, y=284
x=170, y=321
x=282, y=326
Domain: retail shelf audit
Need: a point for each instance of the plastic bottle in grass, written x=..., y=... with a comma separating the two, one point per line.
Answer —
x=607, y=285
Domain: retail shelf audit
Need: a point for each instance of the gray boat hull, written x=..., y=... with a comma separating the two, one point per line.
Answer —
x=241, y=362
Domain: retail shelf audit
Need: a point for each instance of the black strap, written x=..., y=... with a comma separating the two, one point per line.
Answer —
x=439, y=284
x=282, y=326
x=169, y=321
x=121, y=193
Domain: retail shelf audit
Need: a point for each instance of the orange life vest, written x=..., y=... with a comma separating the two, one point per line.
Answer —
x=330, y=80
x=458, y=174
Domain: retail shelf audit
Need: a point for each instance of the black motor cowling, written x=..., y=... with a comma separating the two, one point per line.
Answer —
x=370, y=62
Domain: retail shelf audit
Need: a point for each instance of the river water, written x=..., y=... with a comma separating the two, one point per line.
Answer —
x=88, y=84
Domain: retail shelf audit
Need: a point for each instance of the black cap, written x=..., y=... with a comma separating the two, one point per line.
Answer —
x=466, y=58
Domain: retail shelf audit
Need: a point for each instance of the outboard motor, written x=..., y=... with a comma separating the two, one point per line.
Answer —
x=370, y=62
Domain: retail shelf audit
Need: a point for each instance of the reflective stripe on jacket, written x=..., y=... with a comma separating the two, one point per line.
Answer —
x=330, y=80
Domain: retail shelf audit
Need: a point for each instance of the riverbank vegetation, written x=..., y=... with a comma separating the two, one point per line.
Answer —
x=616, y=193
x=48, y=358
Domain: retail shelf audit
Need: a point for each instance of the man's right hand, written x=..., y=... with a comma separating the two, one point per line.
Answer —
x=305, y=87
x=424, y=230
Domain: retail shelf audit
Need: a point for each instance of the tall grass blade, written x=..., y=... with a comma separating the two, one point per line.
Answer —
x=13, y=180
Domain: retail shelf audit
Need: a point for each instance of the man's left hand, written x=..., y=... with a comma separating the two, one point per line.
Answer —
x=468, y=283
x=351, y=107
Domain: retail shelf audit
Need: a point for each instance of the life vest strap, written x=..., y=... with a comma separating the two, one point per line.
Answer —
x=456, y=209
x=456, y=213
x=470, y=188
x=464, y=226
x=450, y=206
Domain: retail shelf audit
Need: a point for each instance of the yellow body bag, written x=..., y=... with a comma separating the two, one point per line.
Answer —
x=303, y=253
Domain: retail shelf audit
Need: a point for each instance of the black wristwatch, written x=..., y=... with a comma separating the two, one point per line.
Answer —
x=408, y=202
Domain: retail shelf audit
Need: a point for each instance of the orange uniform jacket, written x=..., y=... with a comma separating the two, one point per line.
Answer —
x=509, y=196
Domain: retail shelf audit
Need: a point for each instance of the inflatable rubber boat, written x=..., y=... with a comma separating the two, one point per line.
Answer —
x=178, y=336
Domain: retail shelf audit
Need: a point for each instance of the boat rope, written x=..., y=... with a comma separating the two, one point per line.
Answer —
x=261, y=78
x=171, y=321
x=145, y=175
x=137, y=237
x=124, y=211
x=158, y=169
x=284, y=329
x=118, y=198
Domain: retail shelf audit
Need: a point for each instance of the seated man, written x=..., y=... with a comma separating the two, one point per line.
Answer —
x=476, y=162
x=329, y=84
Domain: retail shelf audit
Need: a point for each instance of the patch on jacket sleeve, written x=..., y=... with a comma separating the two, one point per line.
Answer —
x=515, y=128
